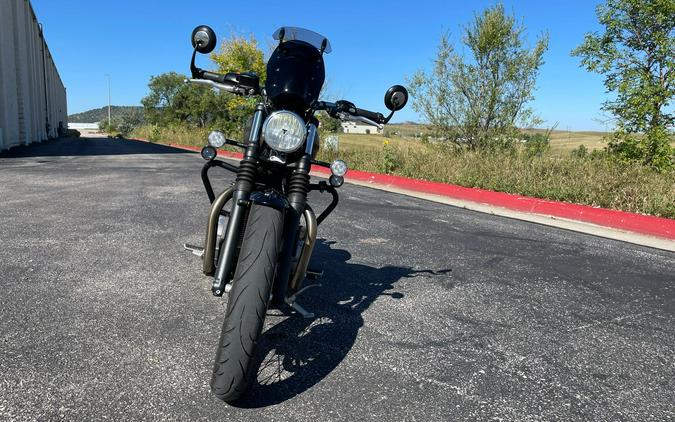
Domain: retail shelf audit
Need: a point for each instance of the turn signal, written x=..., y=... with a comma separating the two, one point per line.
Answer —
x=336, y=181
x=209, y=153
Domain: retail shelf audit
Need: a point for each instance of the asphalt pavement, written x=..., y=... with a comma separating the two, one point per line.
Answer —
x=426, y=312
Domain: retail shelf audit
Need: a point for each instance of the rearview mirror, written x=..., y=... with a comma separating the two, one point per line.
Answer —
x=396, y=98
x=203, y=39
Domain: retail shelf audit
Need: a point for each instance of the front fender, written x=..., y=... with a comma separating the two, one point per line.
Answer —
x=270, y=198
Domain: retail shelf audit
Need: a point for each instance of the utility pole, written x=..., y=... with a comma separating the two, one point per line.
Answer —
x=109, y=113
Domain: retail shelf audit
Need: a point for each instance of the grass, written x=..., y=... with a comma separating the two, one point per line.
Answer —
x=180, y=135
x=555, y=175
x=597, y=182
x=562, y=141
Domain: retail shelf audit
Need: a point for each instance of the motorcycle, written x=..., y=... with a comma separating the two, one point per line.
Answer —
x=258, y=248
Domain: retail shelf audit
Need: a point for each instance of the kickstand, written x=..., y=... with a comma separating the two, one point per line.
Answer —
x=291, y=301
x=302, y=311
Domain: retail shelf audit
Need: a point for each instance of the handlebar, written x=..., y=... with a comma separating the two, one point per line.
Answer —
x=345, y=110
x=371, y=115
x=215, y=77
x=235, y=83
x=350, y=108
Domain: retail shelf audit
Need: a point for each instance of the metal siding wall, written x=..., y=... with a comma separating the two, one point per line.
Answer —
x=8, y=120
x=25, y=62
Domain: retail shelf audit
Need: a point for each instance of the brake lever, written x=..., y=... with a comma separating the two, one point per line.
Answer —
x=350, y=117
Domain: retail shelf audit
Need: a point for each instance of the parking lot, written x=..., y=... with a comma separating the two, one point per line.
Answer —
x=426, y=311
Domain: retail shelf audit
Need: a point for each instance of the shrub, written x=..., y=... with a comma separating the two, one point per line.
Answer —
x=391, y=159
x=124, y=129
x=155, y=133
x=580, y=152
x=103, y=126
x=536, y=144
x=652, y=149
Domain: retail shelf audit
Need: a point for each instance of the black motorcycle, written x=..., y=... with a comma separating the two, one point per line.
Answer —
x=258, y=249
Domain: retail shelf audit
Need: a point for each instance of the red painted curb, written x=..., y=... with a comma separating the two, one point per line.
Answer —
x=628, y=221
x=638, y=223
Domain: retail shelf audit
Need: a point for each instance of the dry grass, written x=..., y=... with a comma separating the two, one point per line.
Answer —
x=600, y=181
x=556, y=175
x=173, y=135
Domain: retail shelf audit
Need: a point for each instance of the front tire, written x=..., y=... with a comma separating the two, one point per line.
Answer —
x=247, y=302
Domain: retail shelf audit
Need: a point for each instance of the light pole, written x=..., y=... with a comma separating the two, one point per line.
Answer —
x=109, y=114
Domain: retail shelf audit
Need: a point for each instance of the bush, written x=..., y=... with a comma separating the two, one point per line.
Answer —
x=580, y=152
x=103, y=126
x=155, y=133
x=536, y=144
x=391, y=159
x=124, y=129
x=652, y=149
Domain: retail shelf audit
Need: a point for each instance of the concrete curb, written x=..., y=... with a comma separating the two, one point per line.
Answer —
x=626, y=226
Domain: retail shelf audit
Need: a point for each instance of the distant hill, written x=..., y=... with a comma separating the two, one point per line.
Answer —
x=98, y=114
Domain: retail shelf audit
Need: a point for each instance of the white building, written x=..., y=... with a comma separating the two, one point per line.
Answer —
x=83, y=126
x=32, y=95
x=363, y=129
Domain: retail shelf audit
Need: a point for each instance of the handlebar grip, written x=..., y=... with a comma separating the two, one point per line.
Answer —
x=215, y=77
x=376, y=117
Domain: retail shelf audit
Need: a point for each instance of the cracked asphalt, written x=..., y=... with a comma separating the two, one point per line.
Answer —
x=427, y=312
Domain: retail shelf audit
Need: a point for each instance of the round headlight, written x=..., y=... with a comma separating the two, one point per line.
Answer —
x=284, y=131
x=338, y=168
x=216, y=139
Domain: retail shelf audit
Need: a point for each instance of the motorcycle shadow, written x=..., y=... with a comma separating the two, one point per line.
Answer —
x=295, y=354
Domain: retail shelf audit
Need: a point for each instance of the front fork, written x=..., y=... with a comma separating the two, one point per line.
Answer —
x=297, y=188
x=243, y=187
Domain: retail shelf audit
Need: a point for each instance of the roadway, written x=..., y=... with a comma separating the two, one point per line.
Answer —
x=427, y=311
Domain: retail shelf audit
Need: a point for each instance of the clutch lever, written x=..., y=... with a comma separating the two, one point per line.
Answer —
x=222, y=87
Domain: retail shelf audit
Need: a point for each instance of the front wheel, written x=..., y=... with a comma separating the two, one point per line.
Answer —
x=247, y=302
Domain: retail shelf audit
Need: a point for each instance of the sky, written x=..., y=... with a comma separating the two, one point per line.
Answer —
x=375, y=45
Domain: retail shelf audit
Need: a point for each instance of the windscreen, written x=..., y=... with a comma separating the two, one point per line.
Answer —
x=292, y=33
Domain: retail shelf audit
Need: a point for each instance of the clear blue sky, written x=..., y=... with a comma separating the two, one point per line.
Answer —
x=374, y=46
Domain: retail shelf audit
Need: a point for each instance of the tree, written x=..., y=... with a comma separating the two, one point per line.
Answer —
x=240, y=54
x=328, y=124
x=128, y=120
x=158, y=104
x=172, y=101
x=636, y=53
x=480, y=100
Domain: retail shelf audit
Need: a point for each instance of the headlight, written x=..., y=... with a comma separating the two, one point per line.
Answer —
x=216, y=139
x=284, y=131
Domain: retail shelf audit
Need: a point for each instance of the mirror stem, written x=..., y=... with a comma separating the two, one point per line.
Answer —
x=389, y=117
x=196, y=72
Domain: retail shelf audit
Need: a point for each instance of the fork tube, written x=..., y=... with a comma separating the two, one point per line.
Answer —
x=243, y=187
x=298, y=186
